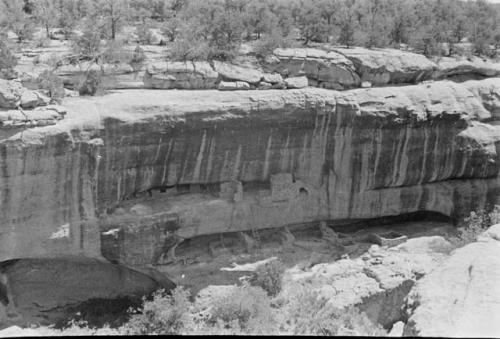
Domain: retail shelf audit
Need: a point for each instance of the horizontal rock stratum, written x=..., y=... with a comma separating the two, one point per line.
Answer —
x=233, y=161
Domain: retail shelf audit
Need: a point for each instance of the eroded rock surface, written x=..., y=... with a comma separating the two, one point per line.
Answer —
x=323, y=69
x=299, y=156
x=475, y=66
x=389, y=66
x=460, y=298
x=488, y=91
x=181, y=75
x=44, y=291
x=377, y=282
x=21, y=108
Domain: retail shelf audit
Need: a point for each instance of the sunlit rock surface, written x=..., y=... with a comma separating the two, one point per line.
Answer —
x=474, y=66
x=488, y=91
x=381, y=66
x=297, y=156
x=460, y=298
x=377, y=282
x=322, y=68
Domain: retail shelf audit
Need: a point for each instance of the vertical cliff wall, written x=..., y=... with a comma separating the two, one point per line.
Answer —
x=223, y=162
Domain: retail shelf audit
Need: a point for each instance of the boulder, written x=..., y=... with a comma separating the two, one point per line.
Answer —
x=180, y=75
x=389, y=66
x=238, y=73
x=233, y=85
x=10, y=93
x=322, y=68
x=296, y=82
x=29, y=99
x=46, y=291
x=461, y=297
x=274, y=78
x=488, y=91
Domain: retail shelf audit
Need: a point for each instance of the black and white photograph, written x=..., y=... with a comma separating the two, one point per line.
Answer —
x=250, y=167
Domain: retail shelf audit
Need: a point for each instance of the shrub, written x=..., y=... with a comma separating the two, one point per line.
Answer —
x=188, y=47
x=114, y=53
x=246, y=309
x=312, y=314
x=164, y=314
x=266, y=45
x=91, y=83
x=475, y=224
x=269, y=277
x=51, y=83
x=88, y=45
x=7, y=60
x=138, y=58
x=144, y=34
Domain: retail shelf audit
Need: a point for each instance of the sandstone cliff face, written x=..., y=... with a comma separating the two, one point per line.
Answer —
x=299, y=156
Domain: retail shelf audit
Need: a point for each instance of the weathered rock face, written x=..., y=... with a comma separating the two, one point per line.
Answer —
x=460, y=298
x=21, y=108
x=44, y=291
x=114, y=76
x=300, y=156
x=450, y=67
x=488, y=91
x=180, y=75
x=323, y=69
x=377, y=282
x=389, y=66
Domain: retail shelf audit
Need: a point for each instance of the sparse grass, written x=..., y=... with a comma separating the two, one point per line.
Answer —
x=269, y=277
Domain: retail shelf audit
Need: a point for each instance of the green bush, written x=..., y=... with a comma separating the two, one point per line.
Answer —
x=91, y=83
x=51, y=83
x=113, y=52
x=269, y=277
x=475, y=224
x=165, y=314
x=7, y=60
x=311, y=314
x=246, y=309
x=138, y=58
x=144, y=34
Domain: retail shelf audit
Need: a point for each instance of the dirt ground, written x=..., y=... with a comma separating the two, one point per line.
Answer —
x=201, y=260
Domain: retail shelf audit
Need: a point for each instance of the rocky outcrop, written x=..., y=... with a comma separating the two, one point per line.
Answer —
x=488, y=91
x=463, y=68
x=377, y=282
x=47, y=291
x=21, y=108
x=114, y=76
x=237, y=73
x=460, y=298
x=180, y=75
x=323, y=69
x=299, y=156
x=389, y=66
x=296, y=82
x=202, y=75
